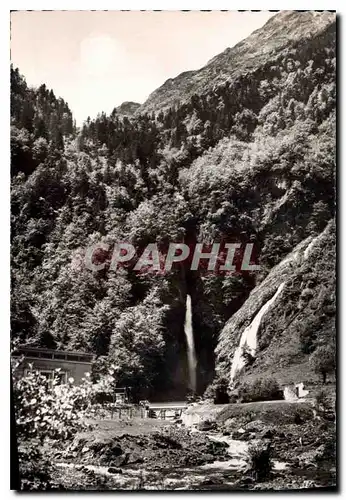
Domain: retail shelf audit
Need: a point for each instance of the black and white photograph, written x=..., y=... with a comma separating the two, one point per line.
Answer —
x=173, y=250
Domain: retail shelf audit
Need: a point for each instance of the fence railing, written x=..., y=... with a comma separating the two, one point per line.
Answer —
x=126, y=411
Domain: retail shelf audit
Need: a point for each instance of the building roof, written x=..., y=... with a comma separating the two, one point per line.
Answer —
x=52, y=353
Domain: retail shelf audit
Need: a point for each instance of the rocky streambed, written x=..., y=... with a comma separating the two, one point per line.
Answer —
x=191, y=473
x=200, y=454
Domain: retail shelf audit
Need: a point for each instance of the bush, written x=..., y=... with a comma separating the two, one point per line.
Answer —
x=324, y=405
x=35, y=470
x=259, y=460
x=218, y=391
x=323, y=361
x=260, y=390
x=247, y=355
x=45, y=410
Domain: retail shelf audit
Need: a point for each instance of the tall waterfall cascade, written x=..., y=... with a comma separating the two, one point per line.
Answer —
x=249, y=335
x=191, y=351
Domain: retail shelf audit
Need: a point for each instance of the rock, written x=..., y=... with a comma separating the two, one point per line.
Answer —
x=114, y=470
x=85, y=449
x=230, y=422
x=118, y=461
x=133, y=458
x=308, y=484
x=206, y=425
x=212, y=480
x=308, y=458
x=239, y=434
x=117, y=451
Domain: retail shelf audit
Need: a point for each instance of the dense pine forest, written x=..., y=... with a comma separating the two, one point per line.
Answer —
x=243, y=152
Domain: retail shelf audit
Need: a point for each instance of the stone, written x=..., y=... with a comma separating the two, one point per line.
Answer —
x=117, y=451
x=206, y=425
x=133, y=458
x=255, y=425
x=247, y=480
x=118, y=461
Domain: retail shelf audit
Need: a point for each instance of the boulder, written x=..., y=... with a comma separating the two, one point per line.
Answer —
x=114, y=470
x=212, y=480
x=121, y=460
x=116, y=451
x=133, y=458
x=206, y=425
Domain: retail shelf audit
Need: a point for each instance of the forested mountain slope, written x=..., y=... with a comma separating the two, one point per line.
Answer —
x=247, y=158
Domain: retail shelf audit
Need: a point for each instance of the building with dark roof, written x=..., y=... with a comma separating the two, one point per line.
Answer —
x=72, y=364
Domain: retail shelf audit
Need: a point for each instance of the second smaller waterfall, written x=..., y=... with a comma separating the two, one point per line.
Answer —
x=191, y=351
x=249, y=335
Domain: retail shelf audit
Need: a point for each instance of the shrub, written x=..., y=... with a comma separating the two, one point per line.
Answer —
x=259, y=460
x=35, y=470
x=322, y=361
x=307, y=335
x=247, y=355
x=260, y=390
x=324, y=405
x=45, y=410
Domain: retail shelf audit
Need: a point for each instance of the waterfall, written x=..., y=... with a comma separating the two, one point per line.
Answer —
x=191, y=352
x=310, y=246
x=249, y=335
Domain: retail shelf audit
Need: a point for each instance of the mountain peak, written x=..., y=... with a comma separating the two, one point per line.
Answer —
x=127, y=108
x=282, y=29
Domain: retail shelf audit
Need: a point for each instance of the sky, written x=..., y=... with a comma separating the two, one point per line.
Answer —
x=95, y=60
